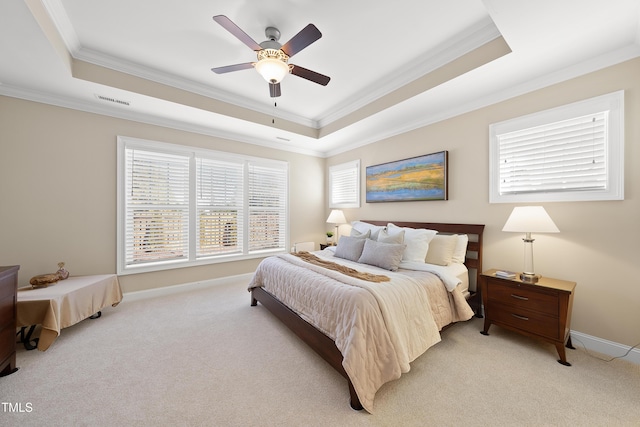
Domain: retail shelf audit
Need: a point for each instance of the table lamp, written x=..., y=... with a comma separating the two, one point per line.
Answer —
x=529, y=219
x=336, y=217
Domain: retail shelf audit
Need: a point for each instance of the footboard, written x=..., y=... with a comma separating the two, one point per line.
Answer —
x=319, y=342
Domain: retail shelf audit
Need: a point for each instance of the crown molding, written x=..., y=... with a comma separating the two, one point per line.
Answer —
x=475, y=37
x=607, y=60
x=122, y=113
x=117, y=64
x=63, y=24
x=60, y=19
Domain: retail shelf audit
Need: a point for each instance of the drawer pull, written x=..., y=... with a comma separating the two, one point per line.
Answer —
x=519, y=297
x=519, y=317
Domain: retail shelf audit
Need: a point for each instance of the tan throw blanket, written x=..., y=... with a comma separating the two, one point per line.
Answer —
x=369, y=277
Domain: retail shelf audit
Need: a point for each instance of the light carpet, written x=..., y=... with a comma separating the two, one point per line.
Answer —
x=206, y=358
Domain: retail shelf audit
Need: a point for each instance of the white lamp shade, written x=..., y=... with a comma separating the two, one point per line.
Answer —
x=272, y=70
x=336, y=217
x=530, y=219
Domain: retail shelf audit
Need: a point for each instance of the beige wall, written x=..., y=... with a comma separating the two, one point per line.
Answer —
x=598, y=243
x=58, y=198
x=58, y=192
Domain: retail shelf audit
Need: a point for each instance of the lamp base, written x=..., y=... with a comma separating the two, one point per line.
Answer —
x=529, y=277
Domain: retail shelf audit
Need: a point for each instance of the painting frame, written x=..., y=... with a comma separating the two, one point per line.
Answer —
x=420, y=178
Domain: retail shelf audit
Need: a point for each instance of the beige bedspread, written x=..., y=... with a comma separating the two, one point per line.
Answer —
x=378, y=327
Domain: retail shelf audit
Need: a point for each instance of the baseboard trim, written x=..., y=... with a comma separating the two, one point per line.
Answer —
x=591, y=343
x=608, y=348
x=185, y=287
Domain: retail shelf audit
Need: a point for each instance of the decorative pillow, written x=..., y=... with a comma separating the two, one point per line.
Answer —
x=386, y=237
x=383, y=255
x=460, y=252
x=362, y=227
x=441, y=249
x=417, y=241
x=360, y=235
x=350, y=247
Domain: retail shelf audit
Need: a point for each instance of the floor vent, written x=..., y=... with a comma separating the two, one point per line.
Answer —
x=109, y=99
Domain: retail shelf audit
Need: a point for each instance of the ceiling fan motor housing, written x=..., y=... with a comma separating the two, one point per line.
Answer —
x=272, y=33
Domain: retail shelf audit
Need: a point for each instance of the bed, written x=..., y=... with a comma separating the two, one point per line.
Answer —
x=344, y=310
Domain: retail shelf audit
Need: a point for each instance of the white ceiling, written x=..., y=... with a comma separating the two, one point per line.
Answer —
x=392, y=69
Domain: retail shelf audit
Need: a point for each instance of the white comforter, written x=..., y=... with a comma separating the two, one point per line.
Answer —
x=378, y=327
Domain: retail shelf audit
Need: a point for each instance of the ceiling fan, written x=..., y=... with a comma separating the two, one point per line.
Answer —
x=273, y=58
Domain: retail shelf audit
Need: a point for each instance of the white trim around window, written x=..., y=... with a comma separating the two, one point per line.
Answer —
x=344, y=185
x=571, y=153
x=181, y=206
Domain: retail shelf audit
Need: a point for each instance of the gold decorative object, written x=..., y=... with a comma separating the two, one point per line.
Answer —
x=44, y=280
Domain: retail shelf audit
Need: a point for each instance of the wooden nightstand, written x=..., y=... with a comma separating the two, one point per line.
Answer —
x=539, y=310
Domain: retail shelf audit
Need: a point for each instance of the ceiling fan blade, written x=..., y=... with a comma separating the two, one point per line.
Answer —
x=304, y=38
x=274, y=90
x=237, y=31
x=230, y=68
x=321, y=79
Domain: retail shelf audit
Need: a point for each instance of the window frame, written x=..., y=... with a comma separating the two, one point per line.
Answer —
x=613, y=103
x=351, y=166
x=193, y=259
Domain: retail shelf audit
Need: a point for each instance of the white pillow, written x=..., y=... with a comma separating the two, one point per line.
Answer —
x=383, y=255
x=441, y=249
x=362, y=227
x=386, y=237
x=460, y=252
x=417, y=241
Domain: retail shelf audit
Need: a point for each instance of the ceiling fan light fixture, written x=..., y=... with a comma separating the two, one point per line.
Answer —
x=272, y=65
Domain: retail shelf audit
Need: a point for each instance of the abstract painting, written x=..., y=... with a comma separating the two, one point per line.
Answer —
x=417, y=178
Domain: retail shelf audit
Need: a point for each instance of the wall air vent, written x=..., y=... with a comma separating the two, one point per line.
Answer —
x=114, y=100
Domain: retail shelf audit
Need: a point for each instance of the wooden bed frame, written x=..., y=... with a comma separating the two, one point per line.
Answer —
x=325, y=346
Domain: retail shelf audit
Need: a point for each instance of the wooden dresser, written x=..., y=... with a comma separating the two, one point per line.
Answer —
x=8, y=291
x=540, y=310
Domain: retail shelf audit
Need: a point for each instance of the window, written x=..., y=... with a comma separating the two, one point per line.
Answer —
x=181, y=206
x=571, y=153
x=344, y=185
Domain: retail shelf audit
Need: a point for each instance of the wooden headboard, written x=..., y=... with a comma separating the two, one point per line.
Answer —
x=473, y=260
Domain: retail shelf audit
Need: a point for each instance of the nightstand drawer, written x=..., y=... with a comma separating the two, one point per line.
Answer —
x=539, y=300
x=525, y=320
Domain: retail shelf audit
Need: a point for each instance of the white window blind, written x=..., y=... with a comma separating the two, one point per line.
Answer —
x=180, y=206
x=220, y=199
x=267, y=207
x=344, y=185
x=157, y=206
x=571, y=153
x=561, y=156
